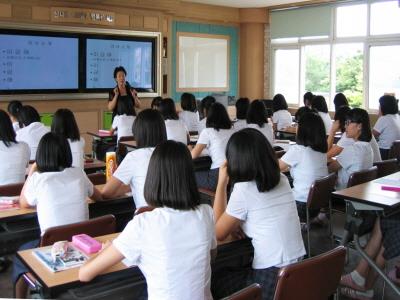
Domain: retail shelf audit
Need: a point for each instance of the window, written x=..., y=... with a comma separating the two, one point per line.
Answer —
x=351, y=20
x=287, y=74
x=317, y=69
x=385, y=17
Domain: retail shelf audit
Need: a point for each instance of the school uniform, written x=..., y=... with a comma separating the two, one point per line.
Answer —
x=266, y=130
x=176, y=131
x=31, y=135
x=345, y=141
x=327, y=121
x=202, y=125
x=13, y=162
x=240, y=124
x=388, y=127
x=282, y=118
x=78, y=151
x=172, y=249
x=190, y=119
x=16, y=126
x=123, y=124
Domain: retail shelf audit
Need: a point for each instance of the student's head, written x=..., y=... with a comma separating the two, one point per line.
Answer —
x=388, y=105
x=170, y=180
x=13, y=108
x=167, y=109
x=311, y=132
x=242, y=105
x=340, y=115
x=251, y=157
x=218, y=117
x=28, y=115
x=256, y=113
x=319, y=104
x=64, y=123
x=358, y=126
x=340, y=100
x=7, y=133
x=279, y=103
x=188, y=102
x=149, y=129
x=301, y=111
x=155, y=103
x=120, y=74
x=53, y=153
x=307, y=97
x=125, y=108
x=205, y=105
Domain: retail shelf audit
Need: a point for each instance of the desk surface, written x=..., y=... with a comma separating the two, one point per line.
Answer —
x=288, y=130
x=131, y=144
x=95, y=164
x=101, y=135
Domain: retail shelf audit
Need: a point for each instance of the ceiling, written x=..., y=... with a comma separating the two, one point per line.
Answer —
x=244, y=3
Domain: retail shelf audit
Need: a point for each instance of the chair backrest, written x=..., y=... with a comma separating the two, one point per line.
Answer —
x=320, y=192
x=362, y=176
x=11, y=189
x=97, y=178
x=280, y=153
x=395, y=150
x=252, y=292
x=387, y=167
x=315, y=278
x=94, y=227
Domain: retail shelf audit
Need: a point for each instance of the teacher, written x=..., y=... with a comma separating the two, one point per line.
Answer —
x=122, y=92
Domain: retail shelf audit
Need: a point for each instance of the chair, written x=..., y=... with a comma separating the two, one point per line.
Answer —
x=387, y=167
x=122, y=150
x=394, y=151
x=11, y=189
x=315, y=278
x=252, y=292
x=362, y=176
x=97, y=178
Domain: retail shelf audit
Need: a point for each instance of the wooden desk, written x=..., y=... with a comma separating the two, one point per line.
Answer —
x=94, y=166
x=101, y=136
x=129, y=144
x=288, y=130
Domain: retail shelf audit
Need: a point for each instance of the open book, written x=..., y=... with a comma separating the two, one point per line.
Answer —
x=7, y=203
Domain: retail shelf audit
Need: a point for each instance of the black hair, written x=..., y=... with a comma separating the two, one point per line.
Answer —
x=250, y=157
x=311, y=132
x=14, y=107
x=301, y=111
x=168, y=110
x=170, y=180
x=28, y=115
x=149, y=129
x=360, y=116
x=64, y=123
x=307, y=97
x=155, y=103
x=319, y=104
x=279, y=103
x=188, y=102
x=340, y=115
x=7, y=133
x=205, y=105
x=242, y=105
x=119, y=69
x=53, y=153
x=218, y=117
x=125, y=108
x=256, y=113
x=340, y=100
x=389, y=105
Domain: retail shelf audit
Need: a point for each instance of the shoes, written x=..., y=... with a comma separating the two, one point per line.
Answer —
x=347, y=281
x=320, y=220
x=358, y=295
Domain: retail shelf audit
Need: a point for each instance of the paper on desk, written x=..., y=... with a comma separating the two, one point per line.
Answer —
x=9, y=199
x=389, y=182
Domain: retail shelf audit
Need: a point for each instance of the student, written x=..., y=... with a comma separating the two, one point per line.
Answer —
x=124, y=118
x=14, y=156
x=176, y=129
x=148, y=131
x=171, y=244
x=189, y=115
x=242, y=105
x=281, y=117
x=13, y=109
x=318, y=103
x=205, y=105
x=307, y=97
x=64, y=123
x=214, y=138
x=32, y=130
x=387, y=128
x=262, y=204
x=359, y=155
x=256, y=119
x=155, y=103
x=340, y=100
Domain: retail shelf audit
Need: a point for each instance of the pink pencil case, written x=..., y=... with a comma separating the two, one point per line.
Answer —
x=390, y=188
x=86, y=243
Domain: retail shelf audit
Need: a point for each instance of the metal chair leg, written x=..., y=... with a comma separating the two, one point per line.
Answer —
x=308, y=232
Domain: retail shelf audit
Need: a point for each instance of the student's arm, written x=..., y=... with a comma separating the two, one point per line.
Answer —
x=112, y=188
x=197, y=150
x=334, y=166
x=334, y=151
x=335, y=127
x=23, y=202
x=96, y=196
x=283, y=166
x=275, y=126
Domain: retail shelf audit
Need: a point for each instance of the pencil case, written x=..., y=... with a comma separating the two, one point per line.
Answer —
x=86, y=243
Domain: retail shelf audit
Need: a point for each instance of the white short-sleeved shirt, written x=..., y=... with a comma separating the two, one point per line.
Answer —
x=133, y=171
x=270, y=219
x=176, y=131
x=16, y=126
x=239, y=125
x=282, y=118
x=190, y=119
x=353, y=158
x=267, y=131
x=389, y=128
x=31, y=135
x=123, y=124
x=14, y=160
x=78, y=151
x=306, y=166
x=172, y=249
x=215, y=141
x=327, y=121
x=60, y=197
x=345, y=141
x=202, y=125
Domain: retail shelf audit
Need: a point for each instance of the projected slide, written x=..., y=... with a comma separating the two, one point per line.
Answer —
x=38, y=62
x=102, y=56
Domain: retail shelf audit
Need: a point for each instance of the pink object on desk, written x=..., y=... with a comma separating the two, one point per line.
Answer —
x=86, y=243
x=103, y=132
x=390, y=188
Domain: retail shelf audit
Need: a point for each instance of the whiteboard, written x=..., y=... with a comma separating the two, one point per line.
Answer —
x=203, y=62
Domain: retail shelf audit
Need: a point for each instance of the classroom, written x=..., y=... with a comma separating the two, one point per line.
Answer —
x=205, y=149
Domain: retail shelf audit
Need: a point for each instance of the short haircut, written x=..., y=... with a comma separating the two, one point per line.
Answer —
x=188, y=102
x=14, y=107
x=307, y=97
x=279, y=103
x=53, y=153
x=64, y=123
x=28, y=115
x=125, y=107
x=168, y=110
x=155, y=103
x=360, y=116
x=340, y=100
x=319, y=104
x=119, y=69
x=242, y=105
x=388, y=105
x=340, y=115
x=205, y=105
x=7, y=133
x=250, y=157
x=311, y=132
x=256, y=113
x=218, y=117
x=170, y=180
x=149, y=129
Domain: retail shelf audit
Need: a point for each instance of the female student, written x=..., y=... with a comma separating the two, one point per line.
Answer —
x=32, y=130
x=359, y=155
x=176, y=129
x=281, y=117
x=64, y=123
x=242, y=106
x=14, y=156
x=307, y=97
x=13, y=109
x=189, y=115
x=171, y=244
x=124, y=118
x=318, y=103
x=387, y=128
x=340, y=100
x=155, y=103
x=214, y=138
x=256, y=118
x=261, y=203
x=148, y=131
x=205, y=105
